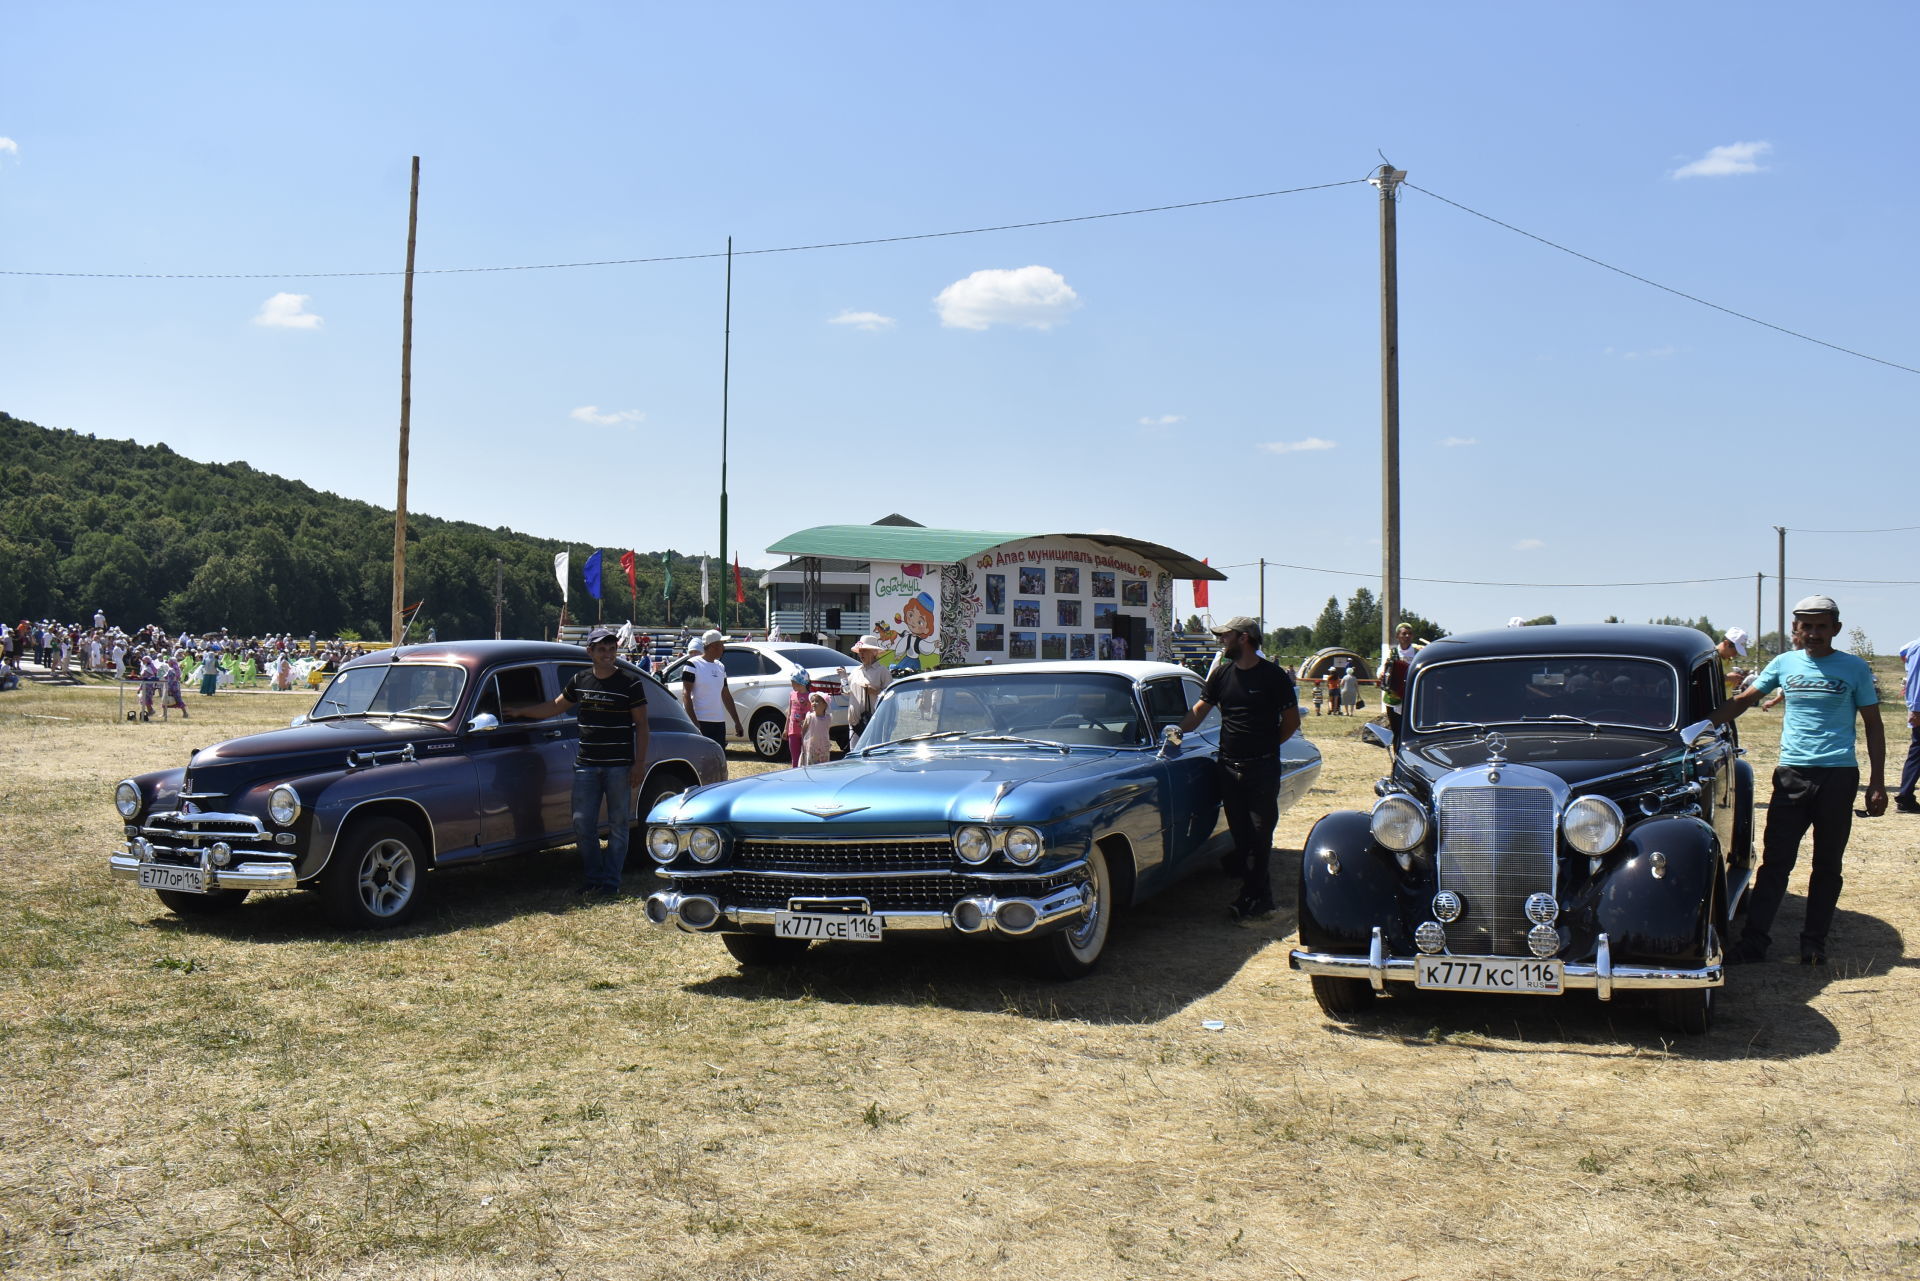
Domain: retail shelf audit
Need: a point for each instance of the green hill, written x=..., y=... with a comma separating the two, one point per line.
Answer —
x=150, y=536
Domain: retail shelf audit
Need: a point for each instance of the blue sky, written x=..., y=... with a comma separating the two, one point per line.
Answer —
x=1207, y=378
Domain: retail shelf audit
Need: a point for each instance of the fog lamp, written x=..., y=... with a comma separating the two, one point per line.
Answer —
x=1448, y=907
x=1430, y=937
x=220, y=854
x=1542, y=909
x=1544, y=940
x=141, y=848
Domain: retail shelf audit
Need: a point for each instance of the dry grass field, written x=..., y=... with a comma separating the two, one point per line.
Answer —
x=511, y=1087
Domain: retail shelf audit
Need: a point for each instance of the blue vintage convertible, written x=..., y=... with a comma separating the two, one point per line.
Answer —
x=1028, y=801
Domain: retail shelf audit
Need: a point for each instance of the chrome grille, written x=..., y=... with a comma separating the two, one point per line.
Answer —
x=775, y=855
x=1497, y=845
x=896, y=893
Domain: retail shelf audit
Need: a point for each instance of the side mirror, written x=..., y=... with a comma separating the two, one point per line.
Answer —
x=1170, y=738
x=297, y=721
x=1700, y=733
x=484, y=723
x=1377, y=734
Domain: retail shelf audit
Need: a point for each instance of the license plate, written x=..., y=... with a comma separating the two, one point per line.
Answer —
x=1489, y=974
x=833, y=926
x=161, y=876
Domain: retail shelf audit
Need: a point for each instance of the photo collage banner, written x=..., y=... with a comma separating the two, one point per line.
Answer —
x=1060, y=598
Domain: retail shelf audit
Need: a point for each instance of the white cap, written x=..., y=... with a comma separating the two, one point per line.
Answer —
x=869, y=641
x=712, y=637
x=1737, y=637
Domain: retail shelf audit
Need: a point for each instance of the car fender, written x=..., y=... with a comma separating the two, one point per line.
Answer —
x=1348, y=885
x=436, y=795
x=1656, y=890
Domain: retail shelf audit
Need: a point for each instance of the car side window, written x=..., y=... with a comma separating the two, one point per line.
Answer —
x=1167, y=702
x=510, y=690
x=1703, y=691
x=742, y=662
x=1193, y=692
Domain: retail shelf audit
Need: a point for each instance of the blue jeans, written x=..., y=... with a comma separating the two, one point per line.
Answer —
x=591, y=784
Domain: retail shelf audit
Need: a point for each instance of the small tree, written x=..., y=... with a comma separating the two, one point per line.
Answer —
x=1329, y=629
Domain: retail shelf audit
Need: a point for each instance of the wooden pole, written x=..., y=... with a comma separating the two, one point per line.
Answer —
x=499, y=576
x=1780, y=594
x=1759, y=581
x=406, y=413
x=1387, y=179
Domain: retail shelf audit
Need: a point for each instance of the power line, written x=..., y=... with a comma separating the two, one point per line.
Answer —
x=1654, y=582
x=1894, y=529
x=1665, y=288
x=627, y=262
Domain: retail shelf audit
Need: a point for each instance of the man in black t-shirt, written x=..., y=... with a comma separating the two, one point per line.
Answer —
x=1258, y=712
x=611, y=761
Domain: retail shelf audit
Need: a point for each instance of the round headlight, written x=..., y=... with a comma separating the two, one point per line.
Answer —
x=220, y=854
x=704, y=844
x=662, y=844
x=283, y=805
x=1593, y=825
x=1023, y=845
x=1399, y=822
x=973, y=844
x=126, y=798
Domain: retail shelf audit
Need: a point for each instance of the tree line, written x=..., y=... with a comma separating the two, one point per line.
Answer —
x=150, y=536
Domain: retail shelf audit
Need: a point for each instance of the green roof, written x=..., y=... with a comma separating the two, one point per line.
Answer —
x=948, y=546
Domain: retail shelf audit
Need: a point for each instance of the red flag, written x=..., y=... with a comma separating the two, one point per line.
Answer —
x=1200, y=590
x=626, y=563
x=739, y=589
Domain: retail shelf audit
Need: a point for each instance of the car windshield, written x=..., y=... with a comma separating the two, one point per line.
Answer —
x=430, y=691
x=817, y=656
x=1558, y=690
x=1086, y=708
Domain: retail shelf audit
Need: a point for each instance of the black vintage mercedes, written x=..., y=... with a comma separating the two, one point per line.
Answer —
x=403, y=765
x=1559, y=814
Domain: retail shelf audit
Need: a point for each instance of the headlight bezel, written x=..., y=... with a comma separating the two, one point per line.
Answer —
x=1574, y=825
x=128, y=810
x=290, y=805
x=673, y=844
x=1410, y=813
x=1014, y=835
x=961, y=841
x=705, y=845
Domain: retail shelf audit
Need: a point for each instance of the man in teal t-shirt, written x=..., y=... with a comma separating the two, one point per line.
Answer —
x=1818, y=775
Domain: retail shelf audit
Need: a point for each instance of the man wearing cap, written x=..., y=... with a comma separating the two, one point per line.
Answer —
x=1818, y=774
x=611, y=760
x=1733, y=644
x=1903, y=800
x=1258, y=712
x=704, y=692
x=863, y=686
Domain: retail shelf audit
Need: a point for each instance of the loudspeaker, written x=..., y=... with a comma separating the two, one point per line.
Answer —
x=1132, y=629
x=833, y=619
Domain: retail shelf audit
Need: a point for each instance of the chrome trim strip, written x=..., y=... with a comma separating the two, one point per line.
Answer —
x=939, y=838
x=206, y=816
x=1603, y=969
x=889, y=921
x=247, y=876
x=1376, y=962
x=1578, y=977
x=1031, y=875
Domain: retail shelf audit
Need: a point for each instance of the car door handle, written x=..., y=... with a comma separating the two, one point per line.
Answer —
x=555, y=733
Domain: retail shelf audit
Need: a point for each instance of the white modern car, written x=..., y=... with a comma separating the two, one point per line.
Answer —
x=760, y=676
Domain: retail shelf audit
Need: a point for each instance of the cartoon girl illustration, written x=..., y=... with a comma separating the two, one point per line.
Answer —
x=917, y=618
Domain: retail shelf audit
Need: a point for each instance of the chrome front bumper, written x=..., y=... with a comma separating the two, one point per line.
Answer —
x=1602, y=977
x=243, y=876
x=975, y=915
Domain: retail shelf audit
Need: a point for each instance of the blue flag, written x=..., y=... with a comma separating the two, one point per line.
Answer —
x=592, y=574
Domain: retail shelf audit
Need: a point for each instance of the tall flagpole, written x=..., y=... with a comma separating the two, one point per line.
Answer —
x=726, y=362
x=406, y=413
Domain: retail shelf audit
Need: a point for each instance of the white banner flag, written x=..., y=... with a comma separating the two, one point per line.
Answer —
x=703, y=582
x=560, y=562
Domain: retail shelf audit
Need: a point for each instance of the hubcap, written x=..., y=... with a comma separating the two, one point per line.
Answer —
x=387, y=875
x=769, y=738
x=1089, y=928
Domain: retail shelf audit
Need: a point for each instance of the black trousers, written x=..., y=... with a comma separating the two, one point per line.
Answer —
x=1910, y=772
x=1250, y=794
x=1803, y=796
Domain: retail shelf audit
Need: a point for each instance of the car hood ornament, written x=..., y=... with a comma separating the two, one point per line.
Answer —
x=1496, y=755
x=830, y=810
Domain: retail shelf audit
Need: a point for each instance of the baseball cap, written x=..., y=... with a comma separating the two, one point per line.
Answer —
x=602, y=635
x=712, y=637
x=1816, y=605
x=1239, y=623
x=1737, y=637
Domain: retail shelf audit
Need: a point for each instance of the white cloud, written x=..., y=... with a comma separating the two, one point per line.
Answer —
x=1528, y=545
x=288, y=311
x=867, y=321
x=591, y=414
x=1030, y=297
x=9, y=147
x=1724, y=162
x=1459, y=442
x=1308, y=445
x=1164, y=420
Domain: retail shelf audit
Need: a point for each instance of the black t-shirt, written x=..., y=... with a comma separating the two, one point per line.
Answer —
x=1251, y=703
x=606, y=714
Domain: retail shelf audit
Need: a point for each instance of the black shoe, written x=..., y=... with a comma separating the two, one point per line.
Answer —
x=1812, y=956
x=1249, y=908
x=1906, y=805
x=1744, y=953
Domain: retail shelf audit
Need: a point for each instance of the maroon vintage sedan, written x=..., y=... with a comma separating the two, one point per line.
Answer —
x=403, y=766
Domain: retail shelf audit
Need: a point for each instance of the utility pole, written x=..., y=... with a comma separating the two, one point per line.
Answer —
x=499, y=582
x=406, y=413
x=1263, y=602
x=1780, y=595
x=726, y=363
x=1387, y=180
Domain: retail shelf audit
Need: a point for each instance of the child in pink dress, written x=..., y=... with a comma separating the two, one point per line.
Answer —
x=797, y=708
x=818, y=748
